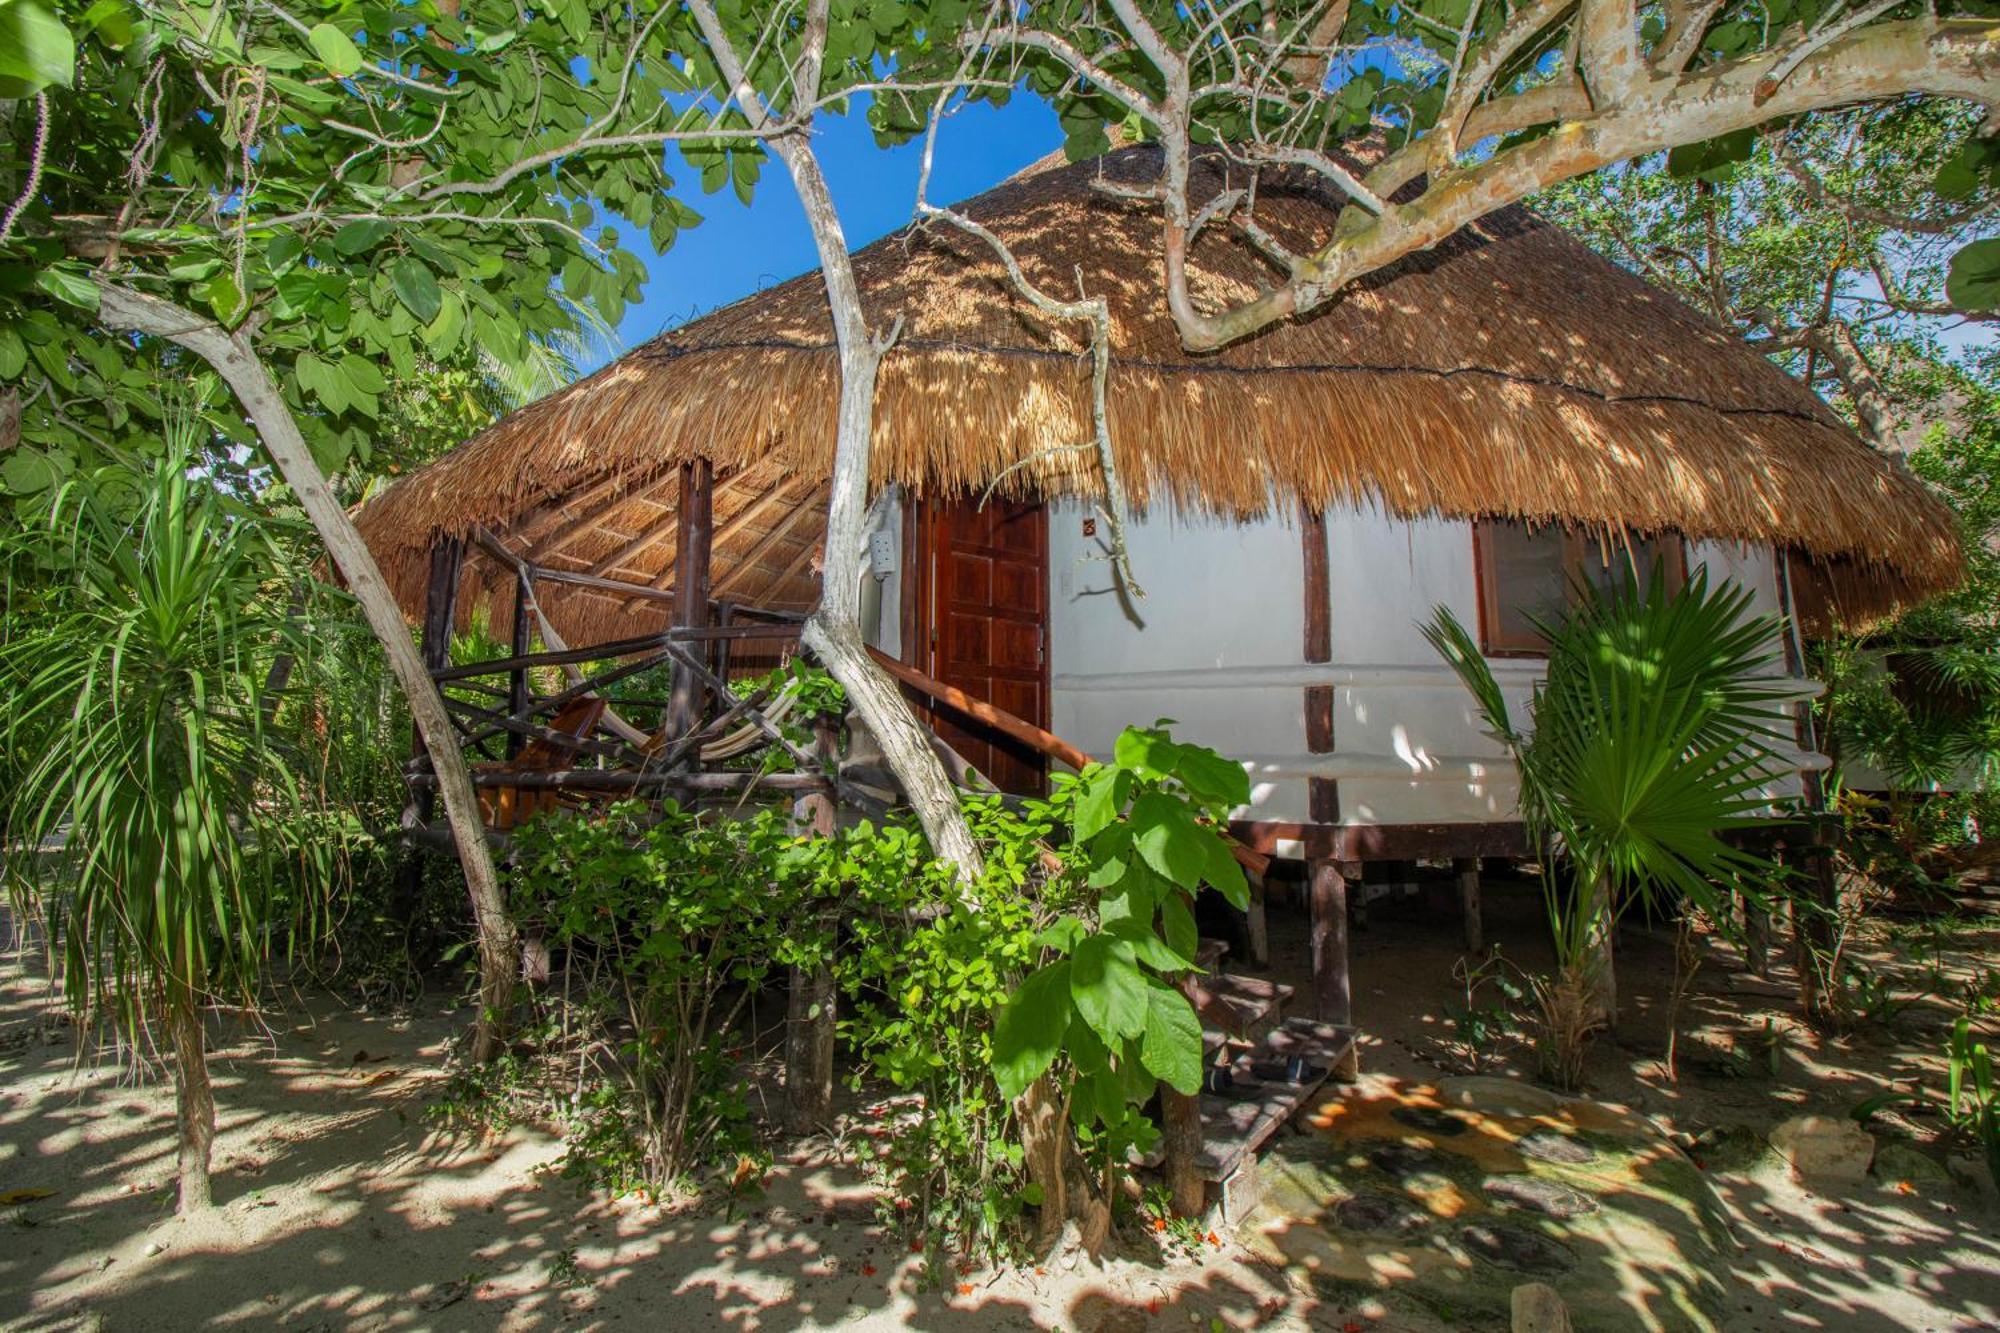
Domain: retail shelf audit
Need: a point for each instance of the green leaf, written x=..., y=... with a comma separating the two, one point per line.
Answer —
x=224, y=297
x=1217, y=780
x=362, y=375
x=1712, y=159
x=1030, y=1029
x=441, y=334
x=357, y=237
x=1149, y=752
x=416, y=287
x=68, y=286
x=1108, y=987
x=13, y=354
x=1165, y=832
x=1170, y=1047
x=1177, y=920
x=26, y=471
x=335, y=49
x=1102, y=794
x=283, y=251
x=1225, y=873
x=1973, y=282
x=36, y=50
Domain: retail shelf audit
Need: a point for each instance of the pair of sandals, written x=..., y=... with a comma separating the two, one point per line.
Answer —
x=1293, y=1070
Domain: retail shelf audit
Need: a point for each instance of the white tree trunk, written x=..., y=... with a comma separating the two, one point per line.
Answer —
x=237, y=363
x=834, y=629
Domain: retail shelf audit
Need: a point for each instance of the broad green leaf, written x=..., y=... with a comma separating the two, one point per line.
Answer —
x=25, y=472
x=1225, y=873
x=13, y=354
x=1146, y=751
x=1167, y=836
x=1210, y=776
x=68, y=286
x=1029, y=1031
x=1170, y=1047
x=1101, y=795
x=36, y=50
x=358, y=237
x=1177, y=920
x=1108, y=987
x=416, y=287
x=1974, y=280
x=335, y=49
x=283, y=251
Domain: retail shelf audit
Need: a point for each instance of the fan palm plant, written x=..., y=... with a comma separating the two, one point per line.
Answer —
x=152, y=817
x=1650, y=738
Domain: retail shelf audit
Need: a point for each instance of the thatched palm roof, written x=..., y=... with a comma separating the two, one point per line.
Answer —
x=1510, y=371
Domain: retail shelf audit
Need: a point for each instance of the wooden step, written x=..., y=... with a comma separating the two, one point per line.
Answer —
x=1235, y=1125
x=1237, y=1005
x=1209, y=955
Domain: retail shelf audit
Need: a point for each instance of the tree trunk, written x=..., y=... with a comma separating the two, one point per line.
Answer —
x=1597, y=943
x=834, y=630
x=236, y=362
x=194, y=1099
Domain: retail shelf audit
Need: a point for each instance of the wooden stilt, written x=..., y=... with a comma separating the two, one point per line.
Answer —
x=517, y=679
x=1259, y=924
x=1469, y=905
x=691, y=582
x=1333, y=994
x=440, y=611
x=1756, y=939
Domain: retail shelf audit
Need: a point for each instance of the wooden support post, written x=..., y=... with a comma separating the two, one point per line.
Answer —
x=1756, y=939
x=440, y=611
x=517, y=679
x=1180, y=1142
x=810, y=1013
x=1814, y=915
x=1333, y=995
x=725, y=616
x=1468, y=902
x=1260, y=928
x=691, y=581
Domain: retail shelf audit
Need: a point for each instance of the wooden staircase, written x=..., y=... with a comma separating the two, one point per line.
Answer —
x=1247, y=1031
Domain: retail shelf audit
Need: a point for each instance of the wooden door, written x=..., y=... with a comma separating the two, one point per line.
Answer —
x=983, y=627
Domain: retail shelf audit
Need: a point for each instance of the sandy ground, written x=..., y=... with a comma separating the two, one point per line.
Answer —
x=342, y=1206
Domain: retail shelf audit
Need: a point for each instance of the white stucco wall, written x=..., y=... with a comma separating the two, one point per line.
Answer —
x=1217, y=645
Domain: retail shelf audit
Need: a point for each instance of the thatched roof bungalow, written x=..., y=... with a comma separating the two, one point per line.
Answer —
x=1465, y=427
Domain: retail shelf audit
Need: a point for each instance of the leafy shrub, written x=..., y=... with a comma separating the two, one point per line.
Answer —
x=667, y=923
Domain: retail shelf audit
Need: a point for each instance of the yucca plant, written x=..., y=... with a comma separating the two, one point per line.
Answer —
x=1651, y=737
x=153, y=821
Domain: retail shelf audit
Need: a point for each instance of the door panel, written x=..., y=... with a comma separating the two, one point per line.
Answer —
x=985, y=617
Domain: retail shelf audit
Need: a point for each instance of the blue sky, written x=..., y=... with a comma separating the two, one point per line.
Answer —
x=738, y=250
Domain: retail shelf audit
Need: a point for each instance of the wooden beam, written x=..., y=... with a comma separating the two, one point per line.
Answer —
x=806, y=505
x=796, y=563
x=1044, y=742
x=589, y=509
x=650, y=536
x=695, y=515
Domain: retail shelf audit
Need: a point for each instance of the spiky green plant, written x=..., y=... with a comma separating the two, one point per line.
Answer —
x=154, y=822
x=1651, y=736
